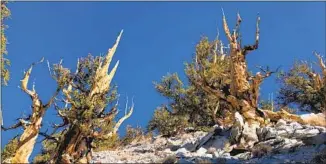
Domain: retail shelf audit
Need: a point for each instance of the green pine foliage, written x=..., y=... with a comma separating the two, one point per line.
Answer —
x=189, y=105
x=300, y=87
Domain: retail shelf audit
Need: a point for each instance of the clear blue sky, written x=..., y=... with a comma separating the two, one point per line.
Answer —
x=158, y=38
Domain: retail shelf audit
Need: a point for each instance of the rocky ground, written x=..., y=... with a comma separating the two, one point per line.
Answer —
x=280, y=143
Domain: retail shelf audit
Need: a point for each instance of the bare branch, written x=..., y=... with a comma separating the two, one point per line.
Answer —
x=48, y=137
x=267, y=71
x=49, y=68
x=18, y=124
x=321, y=63
x=237, y=27
x=47, y=105
x=126, y=116
x=222, y=50
x=102, y=79
x=226, y=28
x=249, y=48
x=24, y=81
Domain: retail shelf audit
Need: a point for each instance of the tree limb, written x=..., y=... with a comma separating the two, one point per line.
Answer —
x=48, y=137
x=102, y=79
x=126, y=116
x=226, y=28
x=47, y=105
x=321, y=63
x=249, y=48
x=24, y=81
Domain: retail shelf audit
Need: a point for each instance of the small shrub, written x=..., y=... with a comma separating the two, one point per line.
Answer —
x=167, y=123
x=132, y=134
x=107, y=144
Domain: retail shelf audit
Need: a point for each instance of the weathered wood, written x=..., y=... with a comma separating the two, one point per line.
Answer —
x=31, y=126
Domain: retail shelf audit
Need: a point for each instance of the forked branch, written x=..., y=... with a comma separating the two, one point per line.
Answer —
x=24, y=81
x=267, y=72
x=126, y=116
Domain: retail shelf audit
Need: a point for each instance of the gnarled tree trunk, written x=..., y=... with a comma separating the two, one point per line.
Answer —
x=32, y=124
x=243, y=88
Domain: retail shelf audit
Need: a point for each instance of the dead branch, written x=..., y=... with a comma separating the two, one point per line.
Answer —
x=321, y=63
x=249, y=48
x=49, y=103
x=48, y=137
x=267, y=72
x=282, y=114
x=126, y=116
x=237, y=26
x=24, y=81
x=226, y=28
x=102, y=79
x=18, y=124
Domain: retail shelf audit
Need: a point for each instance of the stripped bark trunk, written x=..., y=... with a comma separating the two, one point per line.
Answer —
x=244, y=93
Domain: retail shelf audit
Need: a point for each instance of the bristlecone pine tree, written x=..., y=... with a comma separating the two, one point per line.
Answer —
x=243, y=95
x=85, y=95
x=305, y=86
x=227, y=79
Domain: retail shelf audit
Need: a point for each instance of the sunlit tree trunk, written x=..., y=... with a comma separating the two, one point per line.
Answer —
x=32, y=124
